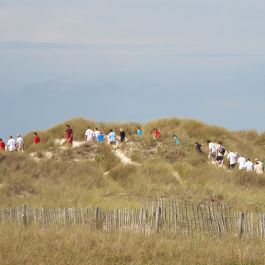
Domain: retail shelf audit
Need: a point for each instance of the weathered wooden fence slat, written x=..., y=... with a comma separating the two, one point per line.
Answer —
x=154, y=216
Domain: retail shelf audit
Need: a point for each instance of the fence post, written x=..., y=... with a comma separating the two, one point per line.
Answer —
x=241, y=225
x=24, y=215
x=98, y=218
x=158, y=219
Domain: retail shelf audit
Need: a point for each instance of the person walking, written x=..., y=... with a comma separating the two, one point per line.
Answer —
x=198, y=147
x=89, y=134
x=96, y=134
x=101, y=137
x=212, y=150
x=156, y=134
x=220, y=154
x=20, y=143
x=231, y=159
x=2, y=145
x=241, y=162
x=69, y=135
x=139, y=132
x=249, y=166
x=122, y=135
x=36, y=138
x=112, y=137
x=11, y=144
x=258, y=167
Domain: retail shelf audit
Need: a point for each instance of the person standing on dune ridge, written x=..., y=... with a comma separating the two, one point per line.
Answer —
x=69, y=136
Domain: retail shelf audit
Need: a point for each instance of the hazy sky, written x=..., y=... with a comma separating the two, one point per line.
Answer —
x=131, y=60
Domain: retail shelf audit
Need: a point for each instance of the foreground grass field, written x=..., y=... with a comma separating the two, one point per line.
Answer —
x=99, y=178
x=68, y=245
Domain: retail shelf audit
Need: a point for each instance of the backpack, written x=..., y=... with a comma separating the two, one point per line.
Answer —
x=176, y=139
x=222, y=150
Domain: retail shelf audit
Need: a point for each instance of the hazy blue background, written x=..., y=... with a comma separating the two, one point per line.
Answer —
x=131, y=60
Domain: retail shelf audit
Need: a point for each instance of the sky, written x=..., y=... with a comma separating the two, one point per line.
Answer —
x=133, y=60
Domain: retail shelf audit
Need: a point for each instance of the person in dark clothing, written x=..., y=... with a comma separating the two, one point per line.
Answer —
x=122, y=135
x=198, y=147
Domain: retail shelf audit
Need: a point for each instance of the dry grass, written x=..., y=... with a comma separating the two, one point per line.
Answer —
x=62, y=182
x=80, y=246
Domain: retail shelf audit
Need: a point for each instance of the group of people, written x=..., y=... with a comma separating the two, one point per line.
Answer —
x=96, y=135
x=17, y=144
x=217, y=154
x=217, y=151
x=13, y=144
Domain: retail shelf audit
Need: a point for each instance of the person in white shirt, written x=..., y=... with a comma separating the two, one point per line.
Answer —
x=249, y=166
x=96, y=134
x=20, y=143
x=231, y=159
x=212, y=150
x=241, y=162
x=258, y=167
x=11, y=144
x=89, y=134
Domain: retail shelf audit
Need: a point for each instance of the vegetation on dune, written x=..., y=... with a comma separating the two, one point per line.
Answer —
x=80, y=246
x=101, y=179
x=92, y=175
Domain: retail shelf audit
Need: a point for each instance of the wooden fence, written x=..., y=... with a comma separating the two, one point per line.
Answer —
x=155, y=217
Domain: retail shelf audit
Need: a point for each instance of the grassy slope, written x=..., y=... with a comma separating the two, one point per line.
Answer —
x=80, y=246
x=70, y=184
x=65, y=183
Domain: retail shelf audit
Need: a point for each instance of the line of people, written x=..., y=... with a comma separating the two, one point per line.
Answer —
x=13, y=144
x=217, y=151
x=17, y=144
x=96, y=135
x=217, y=154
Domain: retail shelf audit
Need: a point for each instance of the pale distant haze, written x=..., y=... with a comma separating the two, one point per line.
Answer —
x=131, y=60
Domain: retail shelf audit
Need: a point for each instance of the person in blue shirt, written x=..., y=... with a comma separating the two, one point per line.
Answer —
x=139, y=131
x=112, y=137
x=100, y=137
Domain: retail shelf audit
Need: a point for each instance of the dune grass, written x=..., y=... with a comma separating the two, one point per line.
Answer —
x=66, y=183
x=80, y=246
x=164, y=170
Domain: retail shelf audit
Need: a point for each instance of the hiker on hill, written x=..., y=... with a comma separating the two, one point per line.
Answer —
x=2, y=145
x=112, y=137
x=20, y=143
x=198, y=147
x=176, y=139
x=139, y=132
x=122, y=135
x=258, y=167
x=11, y=144
x=212, y=150
x=36, y=138
x=231, y=159
x=241, y=162
x=89, y=134
x=69, y=136
x=100, y=137
x=156, y=134
x=220, y=154
x=96, y=134
x=249, y=165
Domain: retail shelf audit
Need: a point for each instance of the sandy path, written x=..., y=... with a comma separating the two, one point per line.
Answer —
x=124, y=159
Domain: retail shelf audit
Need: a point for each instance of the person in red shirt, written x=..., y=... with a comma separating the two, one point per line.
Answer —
x=2, y=145
x=36, y=138
x=156, y=133
x=69, y=134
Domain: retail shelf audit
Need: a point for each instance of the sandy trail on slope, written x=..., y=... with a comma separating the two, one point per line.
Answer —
x=127, y=161
x=124, y=159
